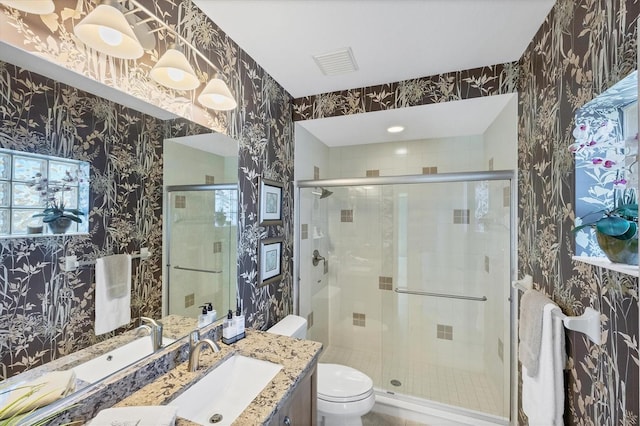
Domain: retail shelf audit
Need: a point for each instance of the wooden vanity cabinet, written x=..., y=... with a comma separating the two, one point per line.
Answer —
x=300, y=409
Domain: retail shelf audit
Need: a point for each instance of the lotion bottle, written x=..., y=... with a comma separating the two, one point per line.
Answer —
x=228, y=329
x=203, y=318
x=212, y=315
x=239, y=323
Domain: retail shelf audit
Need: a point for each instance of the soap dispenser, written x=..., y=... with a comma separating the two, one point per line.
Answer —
x=203, y=318
x=239, y=323
x=228, y=329
x=212, y=315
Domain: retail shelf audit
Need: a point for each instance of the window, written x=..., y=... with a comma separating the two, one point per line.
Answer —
x=20, y=199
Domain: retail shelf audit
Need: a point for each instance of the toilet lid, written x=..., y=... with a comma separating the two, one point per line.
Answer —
x=340, y=383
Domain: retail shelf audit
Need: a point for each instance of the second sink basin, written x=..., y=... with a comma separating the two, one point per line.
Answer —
x=226, y=391
x=110, y=362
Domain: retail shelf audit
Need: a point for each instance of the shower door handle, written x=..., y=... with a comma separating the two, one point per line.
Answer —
x=317, y=258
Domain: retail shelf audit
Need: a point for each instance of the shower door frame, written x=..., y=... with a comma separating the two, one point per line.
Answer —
x=167, y=230
x=505, y=175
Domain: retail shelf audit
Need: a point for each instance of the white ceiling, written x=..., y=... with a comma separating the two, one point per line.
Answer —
x=215, y=143
x=392, y=40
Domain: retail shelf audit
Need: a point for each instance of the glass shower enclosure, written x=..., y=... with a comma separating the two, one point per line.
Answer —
x=415, y=283
x=201, y=241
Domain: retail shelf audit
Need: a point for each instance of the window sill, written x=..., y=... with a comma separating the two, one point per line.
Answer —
x=15, y=236
x=607, y=264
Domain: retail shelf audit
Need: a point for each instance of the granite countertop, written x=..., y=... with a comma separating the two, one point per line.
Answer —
x=296, y=357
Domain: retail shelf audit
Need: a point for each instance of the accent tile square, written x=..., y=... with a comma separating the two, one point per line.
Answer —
x=209, y=180
x=506, y=196
x=431, y=170
x=346, y=215
x=304, y=231
x=373, y=173
x=310, y=320
x=316, y=172
x=461, y=216
x=217, y=247
x=359, y=320
x=385, y=283
x=180, y=202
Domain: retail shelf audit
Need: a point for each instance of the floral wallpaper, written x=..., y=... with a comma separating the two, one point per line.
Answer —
x=582, y=49
x=124, y=147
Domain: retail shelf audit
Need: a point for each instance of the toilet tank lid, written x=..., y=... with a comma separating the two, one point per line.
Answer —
x=291, y=325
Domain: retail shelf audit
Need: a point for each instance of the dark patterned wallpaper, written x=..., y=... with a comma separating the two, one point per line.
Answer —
x=584, y=47
x=45, y=312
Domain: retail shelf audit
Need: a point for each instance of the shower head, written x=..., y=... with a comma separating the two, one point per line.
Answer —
x=324, y=194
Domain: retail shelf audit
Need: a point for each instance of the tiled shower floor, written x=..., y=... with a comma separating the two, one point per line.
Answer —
x=432, y=382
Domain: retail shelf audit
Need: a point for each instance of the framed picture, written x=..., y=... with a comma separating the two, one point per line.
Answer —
x=269, y=261
x=270, y=202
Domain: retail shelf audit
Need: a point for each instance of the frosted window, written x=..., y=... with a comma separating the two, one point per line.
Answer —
x=20, y=200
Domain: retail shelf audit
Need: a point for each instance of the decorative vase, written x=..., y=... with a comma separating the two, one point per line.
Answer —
x=60, y=225
x=619, y=251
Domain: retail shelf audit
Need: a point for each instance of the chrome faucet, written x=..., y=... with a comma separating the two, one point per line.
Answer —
x=155, y=331
x=195, y=346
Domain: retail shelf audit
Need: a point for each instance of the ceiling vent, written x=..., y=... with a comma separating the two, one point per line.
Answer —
x=336, y=62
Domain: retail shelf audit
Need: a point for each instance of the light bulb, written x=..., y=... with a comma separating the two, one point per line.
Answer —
x=175, y=74
x=110, y=36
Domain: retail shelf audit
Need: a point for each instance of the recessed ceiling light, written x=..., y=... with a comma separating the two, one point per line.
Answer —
x=395, y=129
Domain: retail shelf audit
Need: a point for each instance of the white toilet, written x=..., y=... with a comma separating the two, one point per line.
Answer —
x=344, y=393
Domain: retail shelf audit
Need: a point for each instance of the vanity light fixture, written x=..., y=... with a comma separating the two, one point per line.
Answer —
x=216, y=95
x=395, y=129
x=107, y=30
x=39, y=7
x=173, y=70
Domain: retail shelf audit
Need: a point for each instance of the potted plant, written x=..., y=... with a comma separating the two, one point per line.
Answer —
x=616, y=229
x=55, y=214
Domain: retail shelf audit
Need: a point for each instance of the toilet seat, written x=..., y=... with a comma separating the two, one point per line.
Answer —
x=342, y=384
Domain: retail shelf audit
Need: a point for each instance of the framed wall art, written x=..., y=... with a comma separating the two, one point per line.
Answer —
x=269, y=261
x=270, y=201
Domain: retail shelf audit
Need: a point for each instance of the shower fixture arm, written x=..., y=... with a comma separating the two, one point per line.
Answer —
x=317, y=258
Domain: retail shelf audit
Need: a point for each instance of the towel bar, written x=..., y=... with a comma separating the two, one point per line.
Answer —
x=71, y=263
x=587, y=323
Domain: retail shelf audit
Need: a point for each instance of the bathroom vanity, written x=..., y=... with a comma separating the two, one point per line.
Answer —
x=289, y=398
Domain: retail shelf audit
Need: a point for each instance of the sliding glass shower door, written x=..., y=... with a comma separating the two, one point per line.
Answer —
x=415, y=292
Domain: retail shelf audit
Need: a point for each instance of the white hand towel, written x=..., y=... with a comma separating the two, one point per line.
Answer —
x=42, y=391
x=160, y=415
x=113, y=292
x=530, y=329
x=543, y=394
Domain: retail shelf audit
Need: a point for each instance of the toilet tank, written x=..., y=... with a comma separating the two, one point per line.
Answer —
x=292, y=326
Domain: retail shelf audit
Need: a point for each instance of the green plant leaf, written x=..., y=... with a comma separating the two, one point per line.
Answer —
x=627, y=210
x=613, y=226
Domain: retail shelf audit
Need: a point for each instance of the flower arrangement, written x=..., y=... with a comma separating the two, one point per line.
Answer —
x=53, y=195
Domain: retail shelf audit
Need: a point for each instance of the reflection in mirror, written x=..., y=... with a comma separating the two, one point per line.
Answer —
x=201, y=213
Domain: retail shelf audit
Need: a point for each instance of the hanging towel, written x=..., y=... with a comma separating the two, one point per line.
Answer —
x=42, y=391
x=158, y=415
x=532, y=305
x=543, y=393
x=113, y=292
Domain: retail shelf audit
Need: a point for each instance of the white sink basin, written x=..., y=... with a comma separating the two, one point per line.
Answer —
x=110, y=362
x=226, y=391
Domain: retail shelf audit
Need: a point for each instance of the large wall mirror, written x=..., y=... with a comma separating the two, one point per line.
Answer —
x=42, y=113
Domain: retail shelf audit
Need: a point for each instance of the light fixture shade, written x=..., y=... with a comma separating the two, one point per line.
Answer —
x=173, y=70
x=216, y=95
x=106, y=30
x=39, y=7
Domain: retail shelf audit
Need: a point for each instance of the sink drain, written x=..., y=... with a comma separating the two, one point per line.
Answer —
x=396, y=382
x=215, y=418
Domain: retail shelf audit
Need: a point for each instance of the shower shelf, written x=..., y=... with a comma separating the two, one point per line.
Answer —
x=603, y=262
